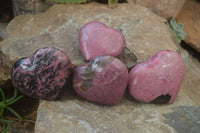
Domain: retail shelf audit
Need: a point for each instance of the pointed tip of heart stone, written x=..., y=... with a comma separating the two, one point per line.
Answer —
x=96, y=39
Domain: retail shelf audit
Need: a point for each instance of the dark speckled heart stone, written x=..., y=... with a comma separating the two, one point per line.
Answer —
x=43, y=75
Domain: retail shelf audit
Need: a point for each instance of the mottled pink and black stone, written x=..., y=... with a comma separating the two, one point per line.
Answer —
x=44, y=74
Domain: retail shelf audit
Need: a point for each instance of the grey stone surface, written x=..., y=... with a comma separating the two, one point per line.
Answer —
x=3, y=33
x=145, y=32
x=29, y=6
x=5, y=80
x=4, y=70
x=189, y=18
x=184, y=119
x=59, y=26
x=73, y=114
x=164, y=8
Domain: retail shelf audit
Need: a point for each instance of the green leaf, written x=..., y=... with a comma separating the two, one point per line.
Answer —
x=15, y=100
x=15, y=113
x=3, y=96
x=5, y=104
x=69, y=1
x=7, y=121
x=7, y=128
x=2, y=111
x=12, y=98
x=2, y=105
x=177, y=28
x=112, y=3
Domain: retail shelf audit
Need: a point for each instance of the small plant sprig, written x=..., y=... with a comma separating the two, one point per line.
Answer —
x=69, y=1
x=177, y=28
x=4, y=104
x=8, y=123
x=111, y=3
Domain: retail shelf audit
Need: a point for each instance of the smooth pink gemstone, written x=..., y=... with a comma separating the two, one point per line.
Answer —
x=103, y=80
x=97, y=39
x=158, y=79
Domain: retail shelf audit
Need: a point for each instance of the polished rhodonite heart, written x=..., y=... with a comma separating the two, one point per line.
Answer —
x=43, y=75
x=103, y=80
x=97, y=39
x=159, y=79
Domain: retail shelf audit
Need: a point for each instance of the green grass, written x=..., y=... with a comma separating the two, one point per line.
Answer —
x=111, y=3
x=5, y=105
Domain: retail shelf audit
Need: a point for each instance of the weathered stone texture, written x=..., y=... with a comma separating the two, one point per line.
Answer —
x=73, y=114
x=164, y=8
x=145, y=33
x=189, y=17
x=29, y=6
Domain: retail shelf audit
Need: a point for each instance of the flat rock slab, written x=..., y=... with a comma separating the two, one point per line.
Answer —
x=191, y=84
x=84, y=117
x=4, y=72
x=29, y=7
x=185, y=119
x=145, y=32
x=73, y=114
x=164, y=8
x=5, y=78
x=3, y=33
x=190, y=17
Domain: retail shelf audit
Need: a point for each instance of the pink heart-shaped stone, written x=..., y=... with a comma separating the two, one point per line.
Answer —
x=44, y=74
x=158, y=79
x=103, y=80
x=97, y=39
